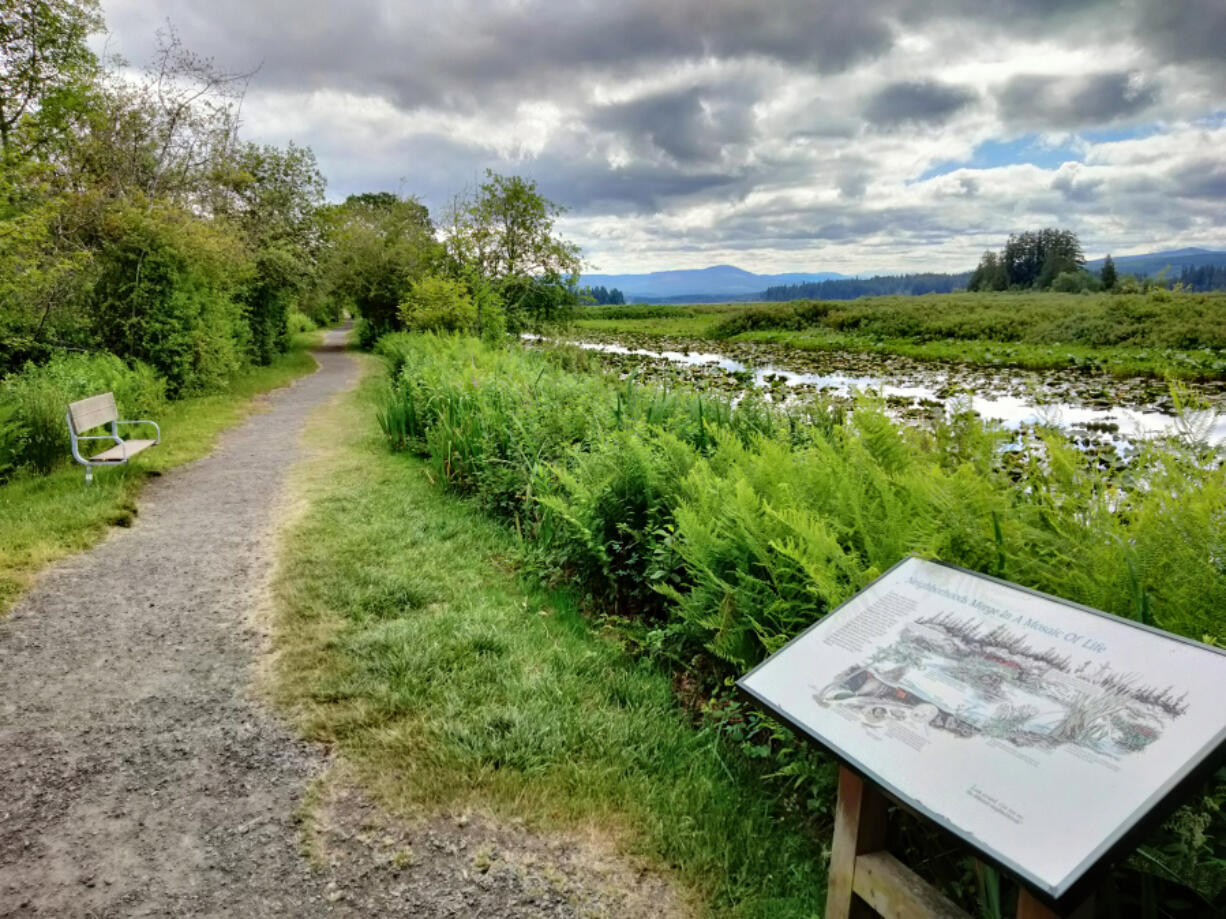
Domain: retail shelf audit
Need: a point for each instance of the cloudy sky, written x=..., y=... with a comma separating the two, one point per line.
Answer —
x=821, y=135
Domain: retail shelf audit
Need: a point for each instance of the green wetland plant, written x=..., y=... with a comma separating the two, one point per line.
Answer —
x=1174, y=334
x=714, y=533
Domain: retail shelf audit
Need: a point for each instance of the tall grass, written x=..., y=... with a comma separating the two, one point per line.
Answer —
x=411, y=644
x=724, y=530
x=38, y=396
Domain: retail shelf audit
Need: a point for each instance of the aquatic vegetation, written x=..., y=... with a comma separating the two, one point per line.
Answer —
x=713, y=531
x=1158, y=334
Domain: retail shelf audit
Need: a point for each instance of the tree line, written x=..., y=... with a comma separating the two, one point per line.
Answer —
x=604, y=296
x=1203, y=277
x=877, y=286
x=1034, y=260
x=135, y=220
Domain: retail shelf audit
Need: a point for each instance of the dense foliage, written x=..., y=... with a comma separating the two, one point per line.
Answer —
x=722, y=531
x=140, y=239
x=1029, y=260
x=135, y=224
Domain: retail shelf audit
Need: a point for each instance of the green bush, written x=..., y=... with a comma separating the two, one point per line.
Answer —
x=166, y=295
x=38, y=397
x=297, y=323
x=265, y=300
x=438, y=304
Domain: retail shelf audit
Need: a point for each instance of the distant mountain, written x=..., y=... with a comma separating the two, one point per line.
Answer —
x=1152, y=263
x=709, y=284
x=727, y=283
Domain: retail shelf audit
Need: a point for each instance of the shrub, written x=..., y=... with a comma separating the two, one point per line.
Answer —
x=166, y=295
x=39, y=397
x=1075, y=282
x=266, y=299
x=437, y=304
x=297, y=323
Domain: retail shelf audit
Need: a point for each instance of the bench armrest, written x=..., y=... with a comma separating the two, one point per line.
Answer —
x=76, y=454
x=157, y=429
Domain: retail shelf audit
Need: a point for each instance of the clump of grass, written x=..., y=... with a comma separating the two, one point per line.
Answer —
x=449, y=682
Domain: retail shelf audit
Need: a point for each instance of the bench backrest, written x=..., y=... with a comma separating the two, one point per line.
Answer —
x=91, y=412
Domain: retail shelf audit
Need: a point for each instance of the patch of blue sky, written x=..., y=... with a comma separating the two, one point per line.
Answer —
x=1029, y=148
x=1114, y=135
x=1045, y=153
x=1213, y=120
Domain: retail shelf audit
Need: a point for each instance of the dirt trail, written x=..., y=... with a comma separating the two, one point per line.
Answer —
x=139, y=776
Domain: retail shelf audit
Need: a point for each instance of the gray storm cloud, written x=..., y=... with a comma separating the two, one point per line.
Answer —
x=927, y=102
x=714, y=125
x=1043, y=101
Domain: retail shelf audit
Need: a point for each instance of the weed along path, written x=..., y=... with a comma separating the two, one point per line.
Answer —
x=142, y=773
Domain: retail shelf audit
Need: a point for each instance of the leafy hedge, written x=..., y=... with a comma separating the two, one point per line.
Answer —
x=724, y=530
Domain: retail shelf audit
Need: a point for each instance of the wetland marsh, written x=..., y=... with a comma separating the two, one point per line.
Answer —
x=1080, y=387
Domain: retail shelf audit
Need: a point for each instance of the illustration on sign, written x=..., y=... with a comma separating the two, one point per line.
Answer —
x=1037, y=730
x=953, y=675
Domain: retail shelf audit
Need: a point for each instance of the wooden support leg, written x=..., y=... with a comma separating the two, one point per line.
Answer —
x=859, y=828
x=866, y=881
x=1030, y=908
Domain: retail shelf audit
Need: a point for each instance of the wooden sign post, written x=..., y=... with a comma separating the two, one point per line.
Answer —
x=866, y=880
x=1043, y=734
x=864, y=877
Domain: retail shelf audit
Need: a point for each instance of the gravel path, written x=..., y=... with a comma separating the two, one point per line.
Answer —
x=139, y=776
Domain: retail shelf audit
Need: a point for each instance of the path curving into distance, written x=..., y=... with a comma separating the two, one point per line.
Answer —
x=138, y=776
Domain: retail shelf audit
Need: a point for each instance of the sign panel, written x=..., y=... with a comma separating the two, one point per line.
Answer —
x=1037, y=730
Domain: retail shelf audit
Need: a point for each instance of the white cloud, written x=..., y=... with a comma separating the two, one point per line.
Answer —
x=708, y=131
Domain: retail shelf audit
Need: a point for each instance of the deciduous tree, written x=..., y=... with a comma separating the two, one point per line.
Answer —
x=45, y=64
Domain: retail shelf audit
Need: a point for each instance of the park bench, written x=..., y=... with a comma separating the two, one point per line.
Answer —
x=93, y=413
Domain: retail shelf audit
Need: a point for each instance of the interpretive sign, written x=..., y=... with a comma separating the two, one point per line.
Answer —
x=1037, y=730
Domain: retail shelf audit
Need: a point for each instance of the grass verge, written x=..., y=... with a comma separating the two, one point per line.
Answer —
x=44, y=518
x=407, y=640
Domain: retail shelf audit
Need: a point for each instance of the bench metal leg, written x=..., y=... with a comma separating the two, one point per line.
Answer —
x=89, y=474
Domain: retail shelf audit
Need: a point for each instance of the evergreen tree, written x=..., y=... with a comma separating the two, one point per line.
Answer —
x=1108, y=274
x=989, y=275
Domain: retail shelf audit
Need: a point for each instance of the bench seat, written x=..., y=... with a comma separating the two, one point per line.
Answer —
x=96, y=412
x=116, y=454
